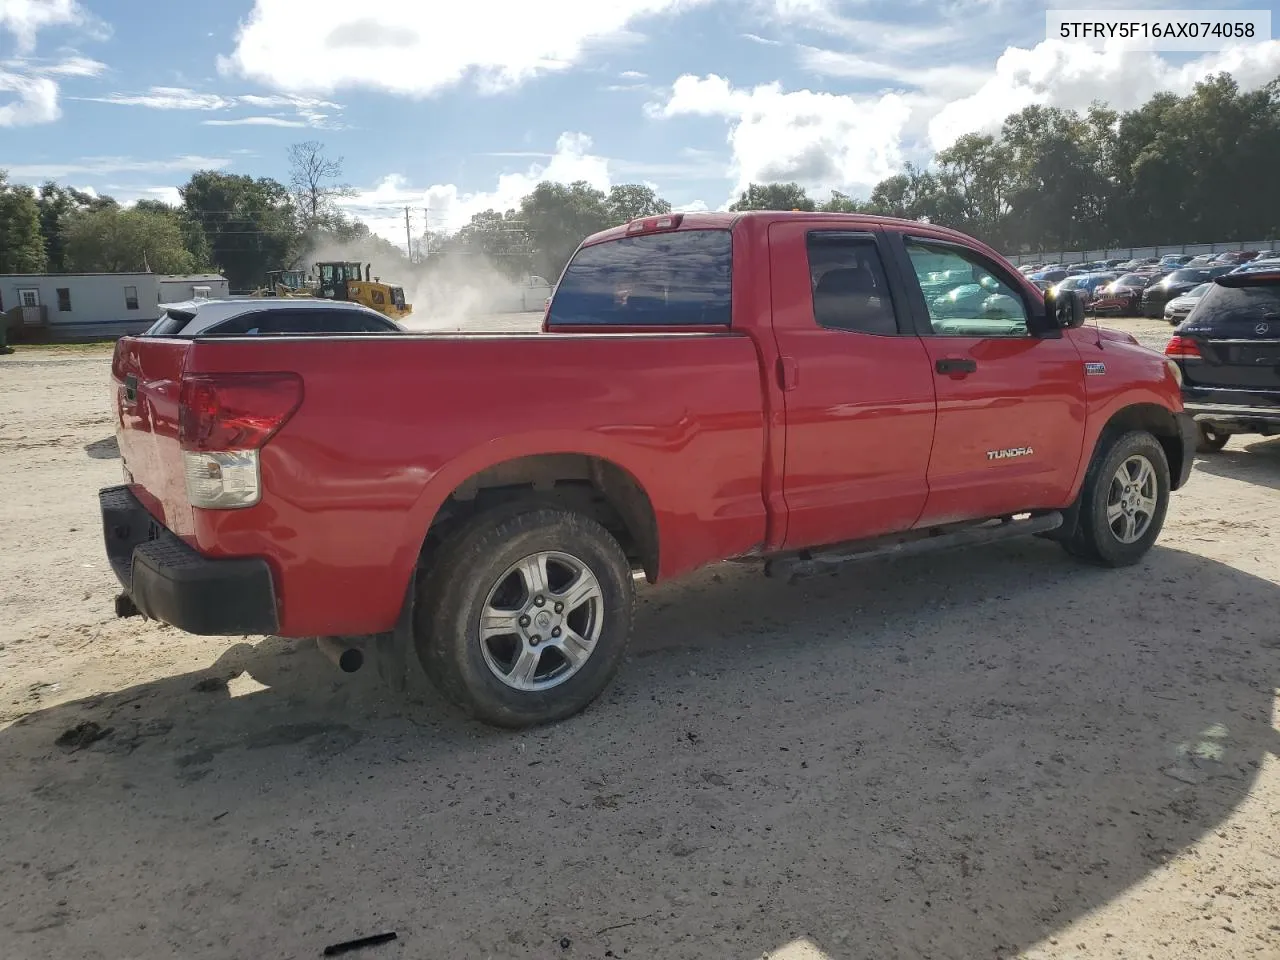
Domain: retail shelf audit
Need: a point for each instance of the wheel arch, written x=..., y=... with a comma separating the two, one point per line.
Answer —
x=1154, y=418
x=591, y=482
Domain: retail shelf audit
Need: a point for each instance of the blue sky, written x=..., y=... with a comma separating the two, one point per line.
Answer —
x=451, y=108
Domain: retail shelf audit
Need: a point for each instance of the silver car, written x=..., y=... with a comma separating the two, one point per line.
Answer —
x=1176, y=310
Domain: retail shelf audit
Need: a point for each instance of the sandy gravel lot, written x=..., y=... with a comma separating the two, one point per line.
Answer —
x=988, y=754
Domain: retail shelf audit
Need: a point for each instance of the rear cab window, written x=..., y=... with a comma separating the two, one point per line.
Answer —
x=679, y=278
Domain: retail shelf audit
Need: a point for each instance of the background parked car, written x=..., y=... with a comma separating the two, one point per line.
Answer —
x=1087, y=285
x=1235, y=257
x=1229, y=352
x=1176, y=310
x=1261, y=263
x=1201, y=261
x=1122, y=296
x=1176, y=284
x=1175, y=259
x=1051, y=276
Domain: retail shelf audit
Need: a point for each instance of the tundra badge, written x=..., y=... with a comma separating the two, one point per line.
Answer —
x=1010, y=452
x=1095, y=369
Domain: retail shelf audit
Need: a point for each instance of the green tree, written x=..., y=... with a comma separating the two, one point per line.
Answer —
x=971, y=190
x=557, y=218
x=250, y=224
x=627, y=201
x=499, y=238
x=773, y=196
x=21, y=244
x=843, y=203
x=114, y=240
x=58, y=205
x=193, y=238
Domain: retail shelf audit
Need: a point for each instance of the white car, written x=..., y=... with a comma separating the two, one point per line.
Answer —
x=1176, y=310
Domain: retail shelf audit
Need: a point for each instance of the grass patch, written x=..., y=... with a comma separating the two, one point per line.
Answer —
x=94, y=347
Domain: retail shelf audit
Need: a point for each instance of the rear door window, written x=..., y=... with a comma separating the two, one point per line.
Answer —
x=677, y=279
x=850, y=289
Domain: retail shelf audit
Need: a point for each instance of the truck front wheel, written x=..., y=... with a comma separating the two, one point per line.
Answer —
x=1123, y=501
x=525, y=615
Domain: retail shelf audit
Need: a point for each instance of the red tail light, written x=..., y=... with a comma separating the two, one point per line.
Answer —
x=235, y=411
x=1180, y=348
x=117, y=362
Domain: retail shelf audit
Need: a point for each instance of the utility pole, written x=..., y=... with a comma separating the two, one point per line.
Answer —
x=408, y=236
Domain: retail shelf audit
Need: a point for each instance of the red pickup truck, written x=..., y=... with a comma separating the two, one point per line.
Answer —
x=809, y=390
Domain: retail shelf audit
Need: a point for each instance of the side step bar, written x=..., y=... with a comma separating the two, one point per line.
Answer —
x=808, y=563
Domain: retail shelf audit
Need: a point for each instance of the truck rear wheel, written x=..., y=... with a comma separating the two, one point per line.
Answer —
x=1123, y=501
x=525, y=615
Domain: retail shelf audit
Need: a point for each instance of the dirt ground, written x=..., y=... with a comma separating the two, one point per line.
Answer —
x=988, y=754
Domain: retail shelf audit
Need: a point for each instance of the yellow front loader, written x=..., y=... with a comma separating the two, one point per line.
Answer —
x=343, y=280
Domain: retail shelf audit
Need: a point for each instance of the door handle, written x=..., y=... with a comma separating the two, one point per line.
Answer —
x=788, y=373
x=954, y=365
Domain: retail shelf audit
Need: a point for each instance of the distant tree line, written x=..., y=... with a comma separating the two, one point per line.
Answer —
x=1178, y=169
x=1201, y=167
x=239, y=225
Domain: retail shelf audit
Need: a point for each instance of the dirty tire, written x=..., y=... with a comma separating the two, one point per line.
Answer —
x=454, y=593
x=1094, y=540
x=1211, y=441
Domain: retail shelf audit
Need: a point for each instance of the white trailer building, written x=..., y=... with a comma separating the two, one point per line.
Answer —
x=69, y=306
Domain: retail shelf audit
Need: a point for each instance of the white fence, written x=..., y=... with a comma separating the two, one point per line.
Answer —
x=1130, y=253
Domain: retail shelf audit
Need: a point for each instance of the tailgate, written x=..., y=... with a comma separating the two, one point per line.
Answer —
x=1237, y=331
x=147, y=374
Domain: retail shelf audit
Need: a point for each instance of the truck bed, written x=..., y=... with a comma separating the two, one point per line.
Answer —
x=389, y=428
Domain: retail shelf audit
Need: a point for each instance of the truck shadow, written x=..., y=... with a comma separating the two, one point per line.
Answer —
x=107, y=449
x=954, y=756
x=1249, y=459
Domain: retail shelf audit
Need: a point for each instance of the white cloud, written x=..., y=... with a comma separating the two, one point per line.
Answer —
x=309, y=110
x=257, y=122
x=820, y=140
x=850, y=142
x=1061, y=74
x=127, y=196
x=34, y=101
x=168, y=98
x=949, y=77
x=32, y=96
x=412, y=48
x=382, y=207
x=72, y=66
x=97, y=166
x=26, y=18
x=633, y=75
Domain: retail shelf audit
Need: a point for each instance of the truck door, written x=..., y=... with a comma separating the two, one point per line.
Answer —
x=857, y=384
x=1011, y=407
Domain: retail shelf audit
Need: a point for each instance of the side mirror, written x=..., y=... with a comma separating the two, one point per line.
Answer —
x=1062, y=311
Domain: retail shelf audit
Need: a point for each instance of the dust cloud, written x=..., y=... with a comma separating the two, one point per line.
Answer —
x=448, y=293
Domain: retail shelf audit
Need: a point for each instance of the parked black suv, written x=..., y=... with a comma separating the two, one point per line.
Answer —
x=1228, y=350
x=1180, y=281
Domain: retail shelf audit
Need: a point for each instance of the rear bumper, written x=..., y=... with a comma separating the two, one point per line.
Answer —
x=1236, y=418
x=167, y=580
x=1189, y=434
